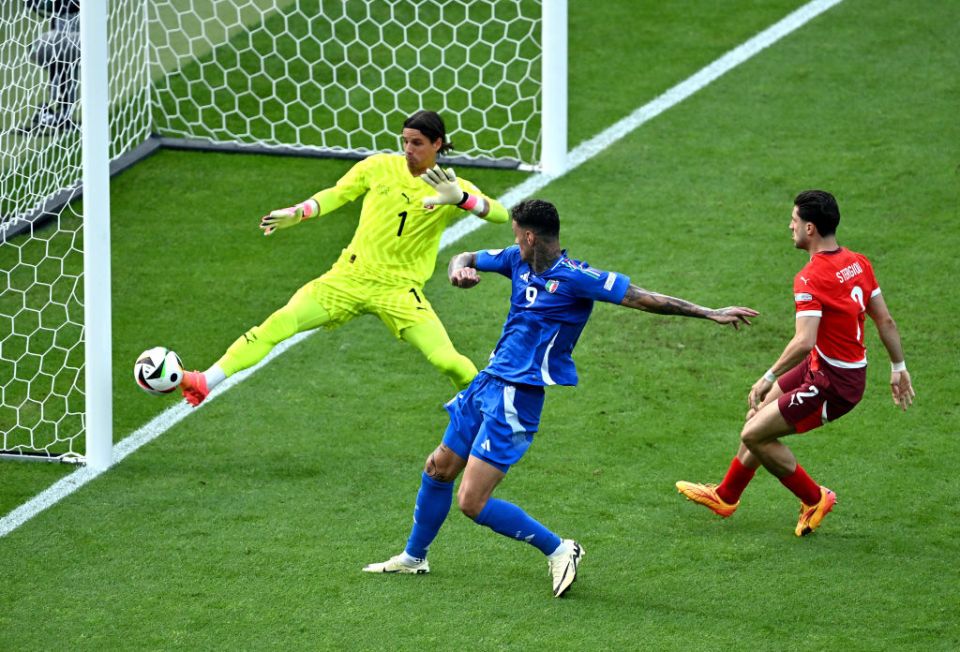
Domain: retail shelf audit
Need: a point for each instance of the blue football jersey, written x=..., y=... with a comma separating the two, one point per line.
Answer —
x=547, y=314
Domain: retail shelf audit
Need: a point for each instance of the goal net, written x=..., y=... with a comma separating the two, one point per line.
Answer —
x=307, y=77
x=41, y=225
x=339, y=77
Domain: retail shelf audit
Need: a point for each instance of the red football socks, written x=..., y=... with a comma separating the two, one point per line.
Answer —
x=735, y=481
x=802, y=486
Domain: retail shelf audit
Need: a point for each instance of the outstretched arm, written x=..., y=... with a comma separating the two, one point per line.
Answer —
x=449, y=192
x=284, y=218
x=900, y=383
x=462, y=270
x=637, y=297
x=349, y=187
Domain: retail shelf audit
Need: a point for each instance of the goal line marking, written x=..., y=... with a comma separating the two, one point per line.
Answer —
x=576, y=157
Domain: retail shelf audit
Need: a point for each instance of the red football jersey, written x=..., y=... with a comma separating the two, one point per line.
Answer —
x=836, y=286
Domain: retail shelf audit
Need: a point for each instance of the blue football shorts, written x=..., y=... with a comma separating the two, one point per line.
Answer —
x=493, y=420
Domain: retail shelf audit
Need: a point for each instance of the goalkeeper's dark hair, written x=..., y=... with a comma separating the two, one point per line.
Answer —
x=539, y=216
x=430, y=124
x=819, y=207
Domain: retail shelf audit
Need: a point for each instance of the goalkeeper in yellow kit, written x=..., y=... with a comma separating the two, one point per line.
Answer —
x=408, y=202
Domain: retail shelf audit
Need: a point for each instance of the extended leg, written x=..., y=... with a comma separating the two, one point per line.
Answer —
x=508, y=519
x=431, y=339
x=761, y=435
x=301, y=313
x=723, y=499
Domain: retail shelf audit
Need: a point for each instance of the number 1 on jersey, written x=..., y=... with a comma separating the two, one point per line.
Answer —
x=403, y=218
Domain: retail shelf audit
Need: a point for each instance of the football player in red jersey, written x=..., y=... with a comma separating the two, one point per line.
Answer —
x=821, y=374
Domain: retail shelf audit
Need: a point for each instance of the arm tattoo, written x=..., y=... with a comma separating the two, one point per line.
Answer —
x=662, y=304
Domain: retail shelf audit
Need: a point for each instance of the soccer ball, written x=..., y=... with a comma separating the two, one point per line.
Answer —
x=158, y=370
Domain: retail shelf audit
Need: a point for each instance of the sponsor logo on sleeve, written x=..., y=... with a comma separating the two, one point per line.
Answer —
x=611, y=279
x=494, y=252
x=802, y=296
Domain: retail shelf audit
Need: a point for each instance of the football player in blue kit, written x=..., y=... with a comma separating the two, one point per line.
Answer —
x=493, y=420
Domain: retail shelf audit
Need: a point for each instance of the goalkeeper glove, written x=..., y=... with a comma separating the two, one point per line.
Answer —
x=445, y=183
x=286, y=217
x=448, y=192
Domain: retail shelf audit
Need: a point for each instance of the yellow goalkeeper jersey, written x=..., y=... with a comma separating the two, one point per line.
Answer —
x=397, y=237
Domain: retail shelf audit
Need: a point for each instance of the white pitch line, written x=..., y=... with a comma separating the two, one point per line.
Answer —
x=590, y=148
x=581, y=154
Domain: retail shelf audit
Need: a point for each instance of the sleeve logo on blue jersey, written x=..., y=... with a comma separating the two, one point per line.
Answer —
x=551, y=286
x=525, y=277
x=494, y=252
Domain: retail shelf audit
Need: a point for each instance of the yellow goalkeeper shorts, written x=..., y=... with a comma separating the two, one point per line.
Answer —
x=346, y=292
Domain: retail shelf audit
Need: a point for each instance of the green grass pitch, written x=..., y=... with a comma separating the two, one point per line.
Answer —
x=246, y=525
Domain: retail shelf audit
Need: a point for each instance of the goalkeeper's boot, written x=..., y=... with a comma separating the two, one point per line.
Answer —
x=812, y=515
x=402, y=563
x=194, y=387
x=564, y=564
x=706, y=495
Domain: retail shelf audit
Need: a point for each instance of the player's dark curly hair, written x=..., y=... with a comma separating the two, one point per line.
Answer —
x=819, y=207
x=539, y=216
x=430, y=124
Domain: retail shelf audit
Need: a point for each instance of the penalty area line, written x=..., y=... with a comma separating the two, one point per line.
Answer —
x=578, y=156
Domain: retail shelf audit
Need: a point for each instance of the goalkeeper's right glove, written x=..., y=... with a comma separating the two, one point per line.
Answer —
x=286, y=217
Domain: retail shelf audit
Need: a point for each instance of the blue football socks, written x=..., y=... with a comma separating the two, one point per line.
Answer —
x=511, y=521
x=433, y=505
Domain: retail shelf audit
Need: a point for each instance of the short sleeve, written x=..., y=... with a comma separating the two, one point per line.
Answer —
x=501, y=261
x=600, y=285
x=807, y=303
x=873, y=287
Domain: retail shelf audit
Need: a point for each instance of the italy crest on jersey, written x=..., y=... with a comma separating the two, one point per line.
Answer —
x=551, y=286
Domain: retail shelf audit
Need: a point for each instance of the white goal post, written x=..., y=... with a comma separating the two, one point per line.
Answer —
x=89, y=87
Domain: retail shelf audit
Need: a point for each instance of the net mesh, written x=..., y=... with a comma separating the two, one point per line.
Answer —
x=341, y=76
x=322, y=75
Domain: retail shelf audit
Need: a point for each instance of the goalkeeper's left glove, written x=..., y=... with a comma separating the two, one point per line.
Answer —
x=448, y=192
x=287, y=217
x=445, y=183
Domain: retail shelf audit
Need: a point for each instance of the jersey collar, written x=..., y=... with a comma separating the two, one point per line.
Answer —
x=560, y=259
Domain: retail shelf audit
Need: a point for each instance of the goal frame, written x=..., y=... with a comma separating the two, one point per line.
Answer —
x=97, y=170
